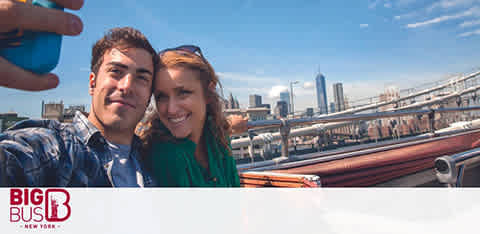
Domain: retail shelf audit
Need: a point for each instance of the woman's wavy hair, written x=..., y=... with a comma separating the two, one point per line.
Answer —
x=151, y=129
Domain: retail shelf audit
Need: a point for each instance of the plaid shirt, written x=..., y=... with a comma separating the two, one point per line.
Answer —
x=47, y=153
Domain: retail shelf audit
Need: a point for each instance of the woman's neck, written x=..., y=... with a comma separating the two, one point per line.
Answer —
x=201, y=154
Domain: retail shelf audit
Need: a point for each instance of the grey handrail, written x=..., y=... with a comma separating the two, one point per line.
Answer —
x=450, y=169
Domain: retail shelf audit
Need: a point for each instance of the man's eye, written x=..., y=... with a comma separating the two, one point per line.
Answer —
x=115, y=71
x=185, y=92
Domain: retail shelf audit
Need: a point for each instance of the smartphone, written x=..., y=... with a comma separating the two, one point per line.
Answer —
x=34, y=51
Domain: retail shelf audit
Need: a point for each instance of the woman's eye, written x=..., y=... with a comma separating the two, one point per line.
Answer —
x=143, y=78
x=161, y=97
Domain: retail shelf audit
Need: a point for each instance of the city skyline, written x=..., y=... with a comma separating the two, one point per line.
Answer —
x=261, y=46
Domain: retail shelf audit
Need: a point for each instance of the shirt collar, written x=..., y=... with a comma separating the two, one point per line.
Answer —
x=86, y=130
x=90, y=134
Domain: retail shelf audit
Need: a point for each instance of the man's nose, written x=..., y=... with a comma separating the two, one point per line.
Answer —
x=126, y=83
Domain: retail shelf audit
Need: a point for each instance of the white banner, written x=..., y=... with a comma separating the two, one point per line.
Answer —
x=323, y=210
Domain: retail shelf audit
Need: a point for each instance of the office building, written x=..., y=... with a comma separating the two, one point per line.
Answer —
x=254, y=100
x=332, y=107
x=57, y=111
x=285, y=96
x=338, y=97
x=9, y=119
x=321, y=93
x=265, y=106
x=309, y=112
x=281, y=110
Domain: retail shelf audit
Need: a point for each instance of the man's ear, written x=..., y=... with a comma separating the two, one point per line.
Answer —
x=91, y=83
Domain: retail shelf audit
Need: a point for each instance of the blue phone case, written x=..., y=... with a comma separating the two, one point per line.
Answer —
x=38, y=52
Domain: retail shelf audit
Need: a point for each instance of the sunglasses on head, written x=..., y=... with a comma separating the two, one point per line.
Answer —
x=191, y=49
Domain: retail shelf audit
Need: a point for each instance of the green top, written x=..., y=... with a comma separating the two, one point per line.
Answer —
x=174, y=165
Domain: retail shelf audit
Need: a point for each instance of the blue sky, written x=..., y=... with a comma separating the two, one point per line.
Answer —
x=259, y=46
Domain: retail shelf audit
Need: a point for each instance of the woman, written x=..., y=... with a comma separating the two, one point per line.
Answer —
x=186, y=140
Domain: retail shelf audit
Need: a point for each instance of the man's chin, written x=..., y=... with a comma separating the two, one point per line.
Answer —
x=117, y=122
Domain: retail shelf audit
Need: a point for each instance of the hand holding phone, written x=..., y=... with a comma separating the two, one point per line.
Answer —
x=30, y=39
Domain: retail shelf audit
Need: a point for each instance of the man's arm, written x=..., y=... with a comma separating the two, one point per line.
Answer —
x=28, y=158
x=13, y=15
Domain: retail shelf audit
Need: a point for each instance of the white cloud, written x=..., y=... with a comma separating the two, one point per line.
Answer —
x=387, y=5
x=363, y=25
x=276, y=90
x=308, y=85
x=470, y=12
x=405, y=16
x=446, y=4
x=471, y=33
x=469, y=23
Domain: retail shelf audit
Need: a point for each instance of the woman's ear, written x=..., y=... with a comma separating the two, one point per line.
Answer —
x=211, y=90
x=212, y=86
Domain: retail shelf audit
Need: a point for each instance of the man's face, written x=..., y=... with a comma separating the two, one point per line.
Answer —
x=122, y=88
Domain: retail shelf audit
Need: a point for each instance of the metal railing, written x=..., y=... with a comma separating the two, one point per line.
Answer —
x=320, y=124
x=450, y=169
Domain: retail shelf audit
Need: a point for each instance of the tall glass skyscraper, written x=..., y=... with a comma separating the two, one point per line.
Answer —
x=285, y=96
x=321, y=93
x=338, y=97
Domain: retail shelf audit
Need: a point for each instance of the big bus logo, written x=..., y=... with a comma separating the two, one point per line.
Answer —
x=39, y=207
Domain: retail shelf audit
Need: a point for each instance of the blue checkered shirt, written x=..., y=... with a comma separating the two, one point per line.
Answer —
x=47, y=153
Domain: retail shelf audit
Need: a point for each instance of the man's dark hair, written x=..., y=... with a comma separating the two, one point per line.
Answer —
x=125, y=37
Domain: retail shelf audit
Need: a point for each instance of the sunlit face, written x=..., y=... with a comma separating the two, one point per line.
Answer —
x=122, y=88
x=181, y=102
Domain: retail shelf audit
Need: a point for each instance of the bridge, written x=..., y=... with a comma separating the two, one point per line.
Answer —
x=418, y=139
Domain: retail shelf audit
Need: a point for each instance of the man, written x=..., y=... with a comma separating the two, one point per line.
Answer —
x=98, y=150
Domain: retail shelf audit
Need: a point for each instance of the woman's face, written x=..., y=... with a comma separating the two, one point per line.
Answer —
x=181, y=102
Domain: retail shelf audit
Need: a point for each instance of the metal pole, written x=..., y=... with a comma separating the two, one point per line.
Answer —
x=431, y=121
x=284, y=132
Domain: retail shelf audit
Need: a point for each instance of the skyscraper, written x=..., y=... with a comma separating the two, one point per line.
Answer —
x=332, y=107
x=281, y=109
x=233, y=102
x=254, y=100
x=321, y=93
x=338, y=97
x=285, y=96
